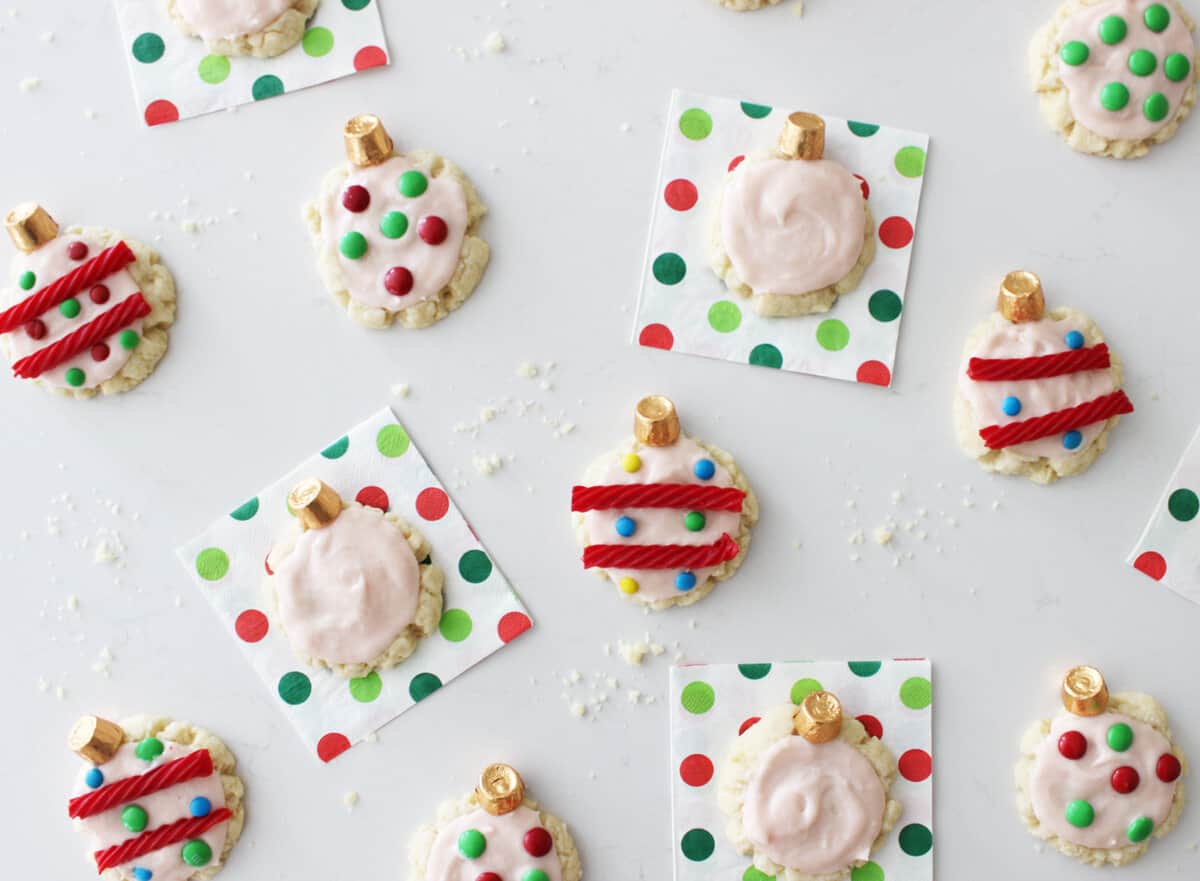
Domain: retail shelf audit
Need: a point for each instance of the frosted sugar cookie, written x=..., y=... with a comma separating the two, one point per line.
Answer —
x=807, y=792
x=1115, y=77
x=664, y=517
x=395, y=233
x=354, y=589
x=793, y=230
x=1102, y=778
x=158, y=801
x=1037, y=392
x=263, y=28
x=88, y=310
x=494, y=834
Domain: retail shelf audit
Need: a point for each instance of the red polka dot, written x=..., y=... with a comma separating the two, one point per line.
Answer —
x=36, y=329
x=656, y=336
x=1151, y=563
x=398, y=281
x=432, y=230
x=1072, y=745
x=873, y=726
x=681, y=194
x=537, y=842
x=432, y=503
x=896, y=232
x=735, y=162
x=748, y=724
x=100, y=352
x=158, y=112
x=77, y=250
x=98, y=294
x=916, y=765
x=356, y=199
x=251, y=626
x=1125, y=779
x=1168, y=768
x=373, y=497
x=874, y=373
x=866, y=187
x=513, y=625
x=331, y=746
x=369, y=56
x=696, y=770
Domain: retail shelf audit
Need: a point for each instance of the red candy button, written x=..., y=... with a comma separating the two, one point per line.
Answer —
x=100, y=352
x=77, y=250
x=1168, y=768
x=1072, y=745
x=398, y=281
x=432, y=230
x=356, y=199
x=98, y=294
x=1125, y=779
x=487, y=876
x=36, y=329
x=537, y=842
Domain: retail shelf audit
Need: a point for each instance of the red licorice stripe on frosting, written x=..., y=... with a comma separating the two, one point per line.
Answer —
x=997, y=437
x=99, y=267
x=103, y=325
x=1040, y=366
x=157, y=839
x=721, y=551
x=191, y=766
x=694, y=496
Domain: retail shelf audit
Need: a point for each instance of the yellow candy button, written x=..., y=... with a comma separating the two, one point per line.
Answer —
x=628, y=585
x=632, y=463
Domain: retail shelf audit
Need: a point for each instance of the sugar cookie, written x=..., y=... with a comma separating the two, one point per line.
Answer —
x=262, y=28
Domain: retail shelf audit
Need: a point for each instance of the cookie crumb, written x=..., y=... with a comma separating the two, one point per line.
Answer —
x=350, y=799
x=527, y=369
x=495, y=42
x=883, y=536
x=487, y=464
x=401, y=390
x=29, y=83
x=578, y=710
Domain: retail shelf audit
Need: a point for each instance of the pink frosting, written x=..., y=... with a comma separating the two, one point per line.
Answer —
x=162, y=808
x=1107, y=64
x=791, y=226
x=813, y=808
x=1055, y=780
x=225, y=19
x=345, y=592
x=504, y=854
x=48, y=263
x=431, y=265
x=673, y=464
x=1037, y=396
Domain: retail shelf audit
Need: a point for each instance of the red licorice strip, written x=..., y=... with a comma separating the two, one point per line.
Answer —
x=103, y=325
x=196, y=764
x=1105, y=407
x=1040, y=367
x=157, y=839
x=657, y=495
x=661, y=556
x=84, y=275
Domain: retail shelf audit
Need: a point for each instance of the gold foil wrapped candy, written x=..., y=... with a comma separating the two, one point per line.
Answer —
x=1021, y=297
x=367, y=141
x=96, y=740
x=30, y=226
x=818, y=719
x=1084, y=691
x=655, y=422
x=501, y=789
x=315, y=503
x=803, y=136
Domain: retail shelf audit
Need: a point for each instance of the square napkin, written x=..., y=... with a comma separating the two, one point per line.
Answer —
x=685, y=307
x=377, y=464
x=1169, y=549
x=712, y=703
x=176, y=77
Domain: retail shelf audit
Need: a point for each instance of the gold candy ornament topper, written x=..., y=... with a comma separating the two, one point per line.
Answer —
x=803, y=137
x=367, y=141
x=1021, y=297
x=95, y=740
x=1084, y=691
x=30, y=226
x=501, y=789
x=655, y=422
x=315, y=502
x=818, y=719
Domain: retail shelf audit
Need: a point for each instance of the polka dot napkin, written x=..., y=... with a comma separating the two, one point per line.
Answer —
x=1169, y=549
x=176, y=77
x=685, y=307
x=378, y=465
x=711, y=704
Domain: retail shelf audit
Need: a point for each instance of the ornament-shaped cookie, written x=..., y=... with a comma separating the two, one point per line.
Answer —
x=664, y=517
x=1101, y=779
x=1038, y=392
x=793, y=230
x=395, y=233
x=88, y=310
x=807, y=792
x=262, y=28
x=1115, y=77
x=496, y=833
x=159, y=800
x=354, y=589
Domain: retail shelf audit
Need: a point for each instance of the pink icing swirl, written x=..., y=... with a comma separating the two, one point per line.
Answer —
x=226, y=19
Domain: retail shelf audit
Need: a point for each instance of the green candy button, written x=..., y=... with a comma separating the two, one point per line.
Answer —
x=27, y=280
x=394, y=224
x=1142, y=62
x=472, y=844
x=128, y=339
x=1139, y=830
x=412, y=184
x=1177, y=67
x=69, y=308
x=1074, y=53
x=694, y=521
x=196, y=853
x=1114, y=96
x=353, y=245
x=133, y=818
x=1119, y=737
x=1156, y=17
x=149, y=749
x=1113, y=30
x=1080, y=814
x=1156, y=107
x=74, y=377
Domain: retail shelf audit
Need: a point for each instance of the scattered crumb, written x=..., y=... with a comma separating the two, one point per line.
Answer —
x=487, y=464
x=527, y=369
x=578, y=710
x=495, y=42
x=29, y=84
x=883, y=535
x=401, y=390
x=350, y=799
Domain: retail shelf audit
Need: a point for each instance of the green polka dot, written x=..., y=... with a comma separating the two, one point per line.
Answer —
x=833, y=335
x=128, y=340
x=916, y=840
x=356, y=5
x=212, y=564
x=1142, y=62
x=1113, y=30
x=1119, y=737
x=755, y=111
x=27, y=280
x=535, y=875
x=802, y=688
x=885, y=305
x=455, y=625
x=753, y=874
x=694, y=521
x=910, y=161
x=724, y=316
x=1079, y=813
x=1114, y=96
x=1177, y=66
x=862, y=129
x=365, y=689
x=423, y=685
x=213, y=69
x=754, y=671
x=394, y=224
x=133, y=818
x=475, y=566
x=1074, y=53
x=266, y=86
x=338, y=448
x=1156, y=107
x=148, y=47
x=865, y=668
x=697, y=845
x=392, y=441
x=472, y=844
x=149, y=749
x=698, y=698
x=868, y=871
x=245, y=511
x=196, y=852
x=69, y=307
x=74, y=377
x=294, y=688
x=317, y=42
x=1183, y=504
x=916, y=693
x=669, y=268
x=766, y=355
x=1156, y=17
x=412, y=184
x=353, y=245
x=695, y=124
x=1139, y=830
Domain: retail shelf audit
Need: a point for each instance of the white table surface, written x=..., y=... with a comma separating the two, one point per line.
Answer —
x=263, y=368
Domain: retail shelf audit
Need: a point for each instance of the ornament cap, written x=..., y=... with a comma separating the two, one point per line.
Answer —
x=94, y=739
x=1021, y=297
x=30, y=226
x=367, y=141
x=655, y=422
x=803, y=136
x=315, y=502
x=818, y=719
x=501, y=789
x=1084, y=691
